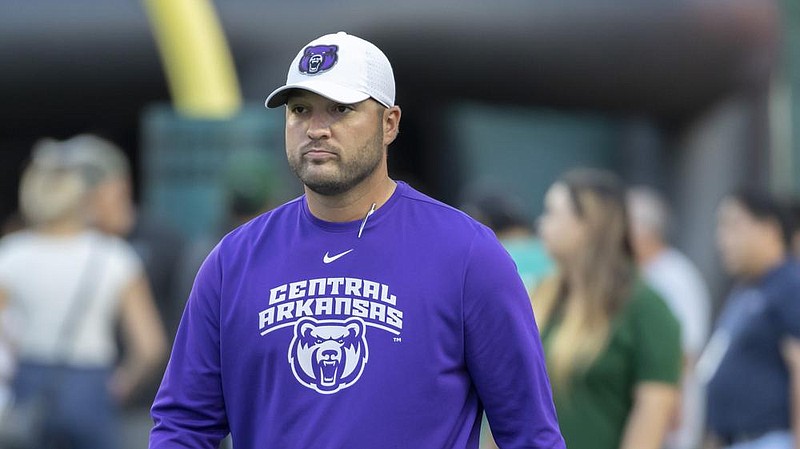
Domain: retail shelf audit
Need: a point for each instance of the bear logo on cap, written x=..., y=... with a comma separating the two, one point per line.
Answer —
x=318, y=58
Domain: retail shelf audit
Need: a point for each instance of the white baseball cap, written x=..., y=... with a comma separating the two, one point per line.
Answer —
x=340, y=67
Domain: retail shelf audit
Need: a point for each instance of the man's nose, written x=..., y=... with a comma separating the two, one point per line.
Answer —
x=319, y=127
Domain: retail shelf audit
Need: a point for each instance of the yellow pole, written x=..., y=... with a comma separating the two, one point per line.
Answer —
x=199, y=67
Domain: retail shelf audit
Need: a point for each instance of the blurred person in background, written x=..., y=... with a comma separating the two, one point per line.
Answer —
x=504, y=215
x=112, y=210
x=752, y=362
x=68, y=284
x=676, y=279
x=612, y=345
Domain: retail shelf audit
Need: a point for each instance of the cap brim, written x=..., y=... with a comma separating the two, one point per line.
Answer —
x=328, y=90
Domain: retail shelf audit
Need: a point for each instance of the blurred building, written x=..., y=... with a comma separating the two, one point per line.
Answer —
x=690, y=97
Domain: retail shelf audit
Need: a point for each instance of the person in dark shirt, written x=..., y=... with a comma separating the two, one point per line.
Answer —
x=752, y=362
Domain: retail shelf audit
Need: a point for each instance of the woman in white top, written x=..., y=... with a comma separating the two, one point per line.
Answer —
x=68, y=285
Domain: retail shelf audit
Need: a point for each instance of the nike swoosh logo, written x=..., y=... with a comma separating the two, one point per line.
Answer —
x=328, y=259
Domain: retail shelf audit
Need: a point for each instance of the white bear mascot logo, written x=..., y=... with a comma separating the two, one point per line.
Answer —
x=328, y=355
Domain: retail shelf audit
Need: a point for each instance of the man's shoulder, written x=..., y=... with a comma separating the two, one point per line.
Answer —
x=438, y=214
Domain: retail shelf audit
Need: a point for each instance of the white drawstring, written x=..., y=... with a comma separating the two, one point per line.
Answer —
x=364, y=223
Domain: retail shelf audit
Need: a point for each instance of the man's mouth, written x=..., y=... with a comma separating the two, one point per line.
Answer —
x=313, y=151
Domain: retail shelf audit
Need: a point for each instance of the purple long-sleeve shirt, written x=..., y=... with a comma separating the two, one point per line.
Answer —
x=300, y=334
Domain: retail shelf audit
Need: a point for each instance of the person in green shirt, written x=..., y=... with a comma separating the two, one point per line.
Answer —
x=613, y=346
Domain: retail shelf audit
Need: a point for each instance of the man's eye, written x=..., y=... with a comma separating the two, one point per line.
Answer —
x=342, y=108
x=297, y=109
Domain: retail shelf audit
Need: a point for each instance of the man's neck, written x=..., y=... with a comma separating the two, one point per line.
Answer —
x=354, y=204
x=767, y=261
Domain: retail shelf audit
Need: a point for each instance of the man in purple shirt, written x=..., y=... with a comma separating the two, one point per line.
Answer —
x=361, y=315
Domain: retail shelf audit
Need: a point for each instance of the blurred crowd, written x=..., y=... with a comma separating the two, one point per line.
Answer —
x=92, y=290
x=636, y=356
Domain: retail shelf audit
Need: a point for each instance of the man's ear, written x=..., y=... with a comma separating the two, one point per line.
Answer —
x=391, y=124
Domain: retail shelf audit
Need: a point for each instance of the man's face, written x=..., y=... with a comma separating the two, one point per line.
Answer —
x=738, y=235
x=332, y=147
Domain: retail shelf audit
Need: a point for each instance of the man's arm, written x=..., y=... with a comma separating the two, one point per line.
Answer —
x=791, y=353
x=189, y=409
x=503, y=352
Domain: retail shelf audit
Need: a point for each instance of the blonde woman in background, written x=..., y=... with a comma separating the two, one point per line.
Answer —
x=613, y=347
x=61, y=270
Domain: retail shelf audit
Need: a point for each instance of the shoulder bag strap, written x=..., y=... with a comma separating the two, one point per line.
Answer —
x=80, y=298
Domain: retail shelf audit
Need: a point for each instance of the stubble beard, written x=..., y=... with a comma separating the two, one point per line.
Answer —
x=350, y=172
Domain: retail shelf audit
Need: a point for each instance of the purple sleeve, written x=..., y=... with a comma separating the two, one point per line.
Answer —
x=189, y=410
x=504, y=353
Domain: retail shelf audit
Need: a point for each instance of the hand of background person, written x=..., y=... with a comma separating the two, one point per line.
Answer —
x=121, y=386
